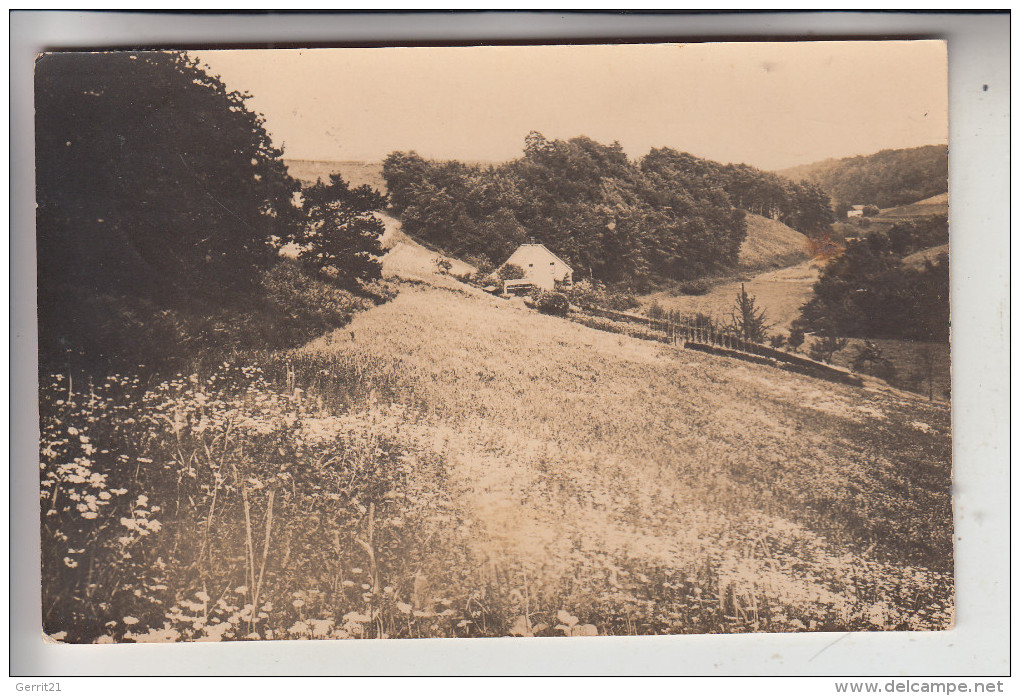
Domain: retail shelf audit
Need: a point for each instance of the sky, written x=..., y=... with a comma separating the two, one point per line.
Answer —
x=771, y=105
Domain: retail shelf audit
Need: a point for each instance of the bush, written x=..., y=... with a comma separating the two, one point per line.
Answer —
x=796, y=338
x=655, y=311
x=692, y=287
x=621, y=301
x=777, y=340
x=553, y=303
x=510, y=271
x=300, y=306
x=870, y=360
x=827, y=347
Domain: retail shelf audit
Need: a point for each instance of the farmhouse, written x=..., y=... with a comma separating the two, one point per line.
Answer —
x=855, y=211
x=541, y=267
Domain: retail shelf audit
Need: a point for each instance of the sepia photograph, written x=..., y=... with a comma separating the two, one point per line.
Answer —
x=494, y=341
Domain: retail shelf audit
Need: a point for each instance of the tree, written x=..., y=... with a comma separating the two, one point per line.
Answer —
x=748, y=320
x=156, y=186
x=828, y=346
x=510, y=271
x=341, y=232
x=796, y=338
x=870, y=360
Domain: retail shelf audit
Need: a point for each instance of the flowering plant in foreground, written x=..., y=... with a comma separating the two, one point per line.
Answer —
x=237, y=506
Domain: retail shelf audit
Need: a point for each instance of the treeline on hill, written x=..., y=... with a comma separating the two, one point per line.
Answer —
x=885, y=179
x=162, y=206
x=868, y=291
x=669, y=217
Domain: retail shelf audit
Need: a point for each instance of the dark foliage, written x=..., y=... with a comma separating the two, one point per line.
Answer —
x=159, y=195
x=801, y=206
x=827, y=347
x=341, y=234
x=553, y=303
x=796, y=338
x=916, y=234
x=870, y=360
x=585, y=201
x=867, y=292
x=693, y=287
x=510, y=271
x=670, y=216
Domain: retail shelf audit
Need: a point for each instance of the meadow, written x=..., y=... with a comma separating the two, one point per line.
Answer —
x=781, y=293
x=453, y=464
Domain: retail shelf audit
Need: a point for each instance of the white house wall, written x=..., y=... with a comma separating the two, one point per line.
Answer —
x=540, y=266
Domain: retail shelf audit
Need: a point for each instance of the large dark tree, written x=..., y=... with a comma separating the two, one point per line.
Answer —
x=867, y=292
x=154, y=183
x=341, y=234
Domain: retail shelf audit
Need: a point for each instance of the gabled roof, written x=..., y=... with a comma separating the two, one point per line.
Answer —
x=545, y=249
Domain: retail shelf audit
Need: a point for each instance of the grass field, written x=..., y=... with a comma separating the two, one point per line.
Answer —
x=936, y=205
x=771, y=245
x=454, y=464
x=611, y=477
x=781, y=293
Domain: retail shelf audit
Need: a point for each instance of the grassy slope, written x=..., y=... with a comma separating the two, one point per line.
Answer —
x=780, y=293
x=936, y=205
x=770, y=244
x=594, y=468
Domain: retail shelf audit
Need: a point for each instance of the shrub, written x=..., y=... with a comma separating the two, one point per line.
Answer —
x=777, y=340
x=870, y=360
x=655, y=311
x=620, y=301
x=693, y=287
x=553, y=303
x=827, y=347
x=483, y=264
x=510, y=271
x=299, y=307
x=796, y=338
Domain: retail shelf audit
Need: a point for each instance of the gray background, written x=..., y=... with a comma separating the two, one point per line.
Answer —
x=979, y=186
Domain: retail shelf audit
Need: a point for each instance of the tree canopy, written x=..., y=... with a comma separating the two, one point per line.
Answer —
x=341, y=234
x=885, y=179
x=868, y=292
x=154, y=183
x=670, y=216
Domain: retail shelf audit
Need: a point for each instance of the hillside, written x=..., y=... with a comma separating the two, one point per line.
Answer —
x=918, y=258
x=632, y=487
x=888, y=178
x=770, y=244
x=781, y=293
x=936, y=205
x=409, y=259
x=355, y=173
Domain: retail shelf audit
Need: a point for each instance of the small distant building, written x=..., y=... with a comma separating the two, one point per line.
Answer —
x=855, y=211
x=541, y=267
